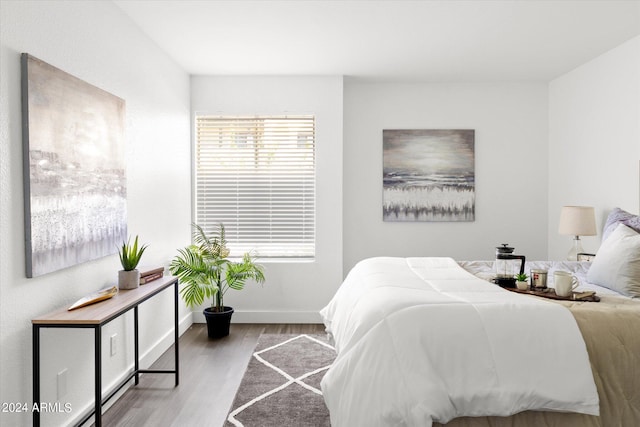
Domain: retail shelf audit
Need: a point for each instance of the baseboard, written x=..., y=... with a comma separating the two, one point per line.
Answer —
x=146, y=360
x=154, y=353
x=268, y=317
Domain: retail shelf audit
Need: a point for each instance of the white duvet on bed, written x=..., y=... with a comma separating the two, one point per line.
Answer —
x=422, y=340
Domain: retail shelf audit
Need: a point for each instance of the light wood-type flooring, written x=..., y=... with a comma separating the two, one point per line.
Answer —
x=210, y=374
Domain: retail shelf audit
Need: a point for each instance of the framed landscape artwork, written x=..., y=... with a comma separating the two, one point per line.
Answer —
x=74, y=170
x=429, y=175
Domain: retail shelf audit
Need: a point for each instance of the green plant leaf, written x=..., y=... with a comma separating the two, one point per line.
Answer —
x=130, y=255
x=205, y=271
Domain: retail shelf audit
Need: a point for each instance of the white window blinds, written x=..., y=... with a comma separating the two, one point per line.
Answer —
x=256, y=175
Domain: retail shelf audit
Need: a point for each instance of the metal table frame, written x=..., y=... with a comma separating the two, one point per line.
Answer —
x=97, y=325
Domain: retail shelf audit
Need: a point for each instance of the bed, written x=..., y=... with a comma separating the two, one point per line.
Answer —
x=430, y=341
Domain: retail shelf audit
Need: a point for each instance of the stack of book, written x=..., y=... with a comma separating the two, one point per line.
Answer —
x=150, y=274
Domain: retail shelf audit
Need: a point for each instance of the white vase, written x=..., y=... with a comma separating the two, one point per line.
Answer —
x=522, y=285
x=128, y=279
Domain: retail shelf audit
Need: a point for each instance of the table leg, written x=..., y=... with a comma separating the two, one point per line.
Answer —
x=98, y=374
x=136, y=350
x=36, y=373
x=176, y=336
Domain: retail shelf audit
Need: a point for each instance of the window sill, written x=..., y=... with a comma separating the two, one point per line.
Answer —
x=276, y=260
x=284, y=260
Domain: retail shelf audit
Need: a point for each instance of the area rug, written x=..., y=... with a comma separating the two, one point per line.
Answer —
x=281, y=386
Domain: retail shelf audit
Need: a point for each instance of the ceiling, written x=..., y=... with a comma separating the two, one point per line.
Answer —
x=437, y=41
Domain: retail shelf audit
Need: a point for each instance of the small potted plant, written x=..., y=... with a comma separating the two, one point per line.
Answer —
x=522, y=281
x=205, y=272
x=129, y=276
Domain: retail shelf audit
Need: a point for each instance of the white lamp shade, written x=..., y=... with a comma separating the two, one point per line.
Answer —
x=577, y=221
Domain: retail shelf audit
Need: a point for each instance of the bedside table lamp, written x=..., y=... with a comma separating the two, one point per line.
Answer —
x=577, y=221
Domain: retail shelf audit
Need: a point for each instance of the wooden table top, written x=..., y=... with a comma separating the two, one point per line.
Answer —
x=104, y=311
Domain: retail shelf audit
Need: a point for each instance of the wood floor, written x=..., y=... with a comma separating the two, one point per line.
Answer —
x=210, y=374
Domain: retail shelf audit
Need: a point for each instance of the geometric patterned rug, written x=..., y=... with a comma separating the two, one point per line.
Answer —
x=281, y=386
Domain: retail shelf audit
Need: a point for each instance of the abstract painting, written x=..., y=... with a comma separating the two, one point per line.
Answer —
x=429, y=175
x=74, y=170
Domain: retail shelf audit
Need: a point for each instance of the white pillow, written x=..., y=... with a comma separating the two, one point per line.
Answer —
x=617, y=263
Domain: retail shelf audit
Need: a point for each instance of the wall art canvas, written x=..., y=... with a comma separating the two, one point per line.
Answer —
x=429, y=175
x=74, y=169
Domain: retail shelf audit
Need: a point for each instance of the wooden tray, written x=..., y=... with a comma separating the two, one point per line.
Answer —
x=550, y=293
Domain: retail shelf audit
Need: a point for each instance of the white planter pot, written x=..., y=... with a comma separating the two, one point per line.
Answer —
x=128, y=279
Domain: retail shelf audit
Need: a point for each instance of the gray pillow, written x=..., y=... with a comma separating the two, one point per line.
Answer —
x=618, y=216
x=617, y=263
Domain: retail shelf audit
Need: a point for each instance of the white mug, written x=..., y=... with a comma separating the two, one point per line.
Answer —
x=564, y=283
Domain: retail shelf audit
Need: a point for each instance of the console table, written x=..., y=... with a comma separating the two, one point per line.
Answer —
x=95, y=316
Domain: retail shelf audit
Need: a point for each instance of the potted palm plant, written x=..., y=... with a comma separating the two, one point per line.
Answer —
x=205, y=271
x=129, y=276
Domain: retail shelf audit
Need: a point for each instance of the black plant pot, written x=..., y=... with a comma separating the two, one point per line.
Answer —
x=218, y=321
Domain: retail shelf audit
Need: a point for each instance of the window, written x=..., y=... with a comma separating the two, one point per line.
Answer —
x=256, y=175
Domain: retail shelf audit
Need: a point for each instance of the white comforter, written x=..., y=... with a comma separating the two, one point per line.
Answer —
x=422, y=340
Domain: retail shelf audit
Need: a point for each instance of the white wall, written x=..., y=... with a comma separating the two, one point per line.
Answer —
x=294, y=291
x=96, y=42
x=594, y=140
x=510, y=122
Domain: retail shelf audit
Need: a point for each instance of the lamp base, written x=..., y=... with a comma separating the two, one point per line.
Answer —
x=575, y=249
